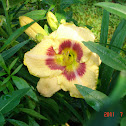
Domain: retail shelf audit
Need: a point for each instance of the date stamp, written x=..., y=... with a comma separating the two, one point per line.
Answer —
x=111, y=114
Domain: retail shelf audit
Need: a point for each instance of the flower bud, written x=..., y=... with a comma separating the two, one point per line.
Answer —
x=62, y=21
x=34, y=29
x=39, y=37
x=2, y=20
x=52, y=21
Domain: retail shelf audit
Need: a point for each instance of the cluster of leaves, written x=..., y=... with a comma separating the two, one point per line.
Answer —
x=21, y=104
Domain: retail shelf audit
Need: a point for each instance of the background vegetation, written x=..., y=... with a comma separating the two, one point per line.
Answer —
x=22, y=105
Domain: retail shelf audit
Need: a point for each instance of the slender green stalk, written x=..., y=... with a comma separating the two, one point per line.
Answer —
x=7, y=17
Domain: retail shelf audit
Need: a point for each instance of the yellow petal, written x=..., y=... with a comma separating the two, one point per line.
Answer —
x=52, y=21
x=35, y=59
x=34, y=29
x=75, y=34
x=71, y=31
x=48, y=86
x=95, y=58
x=89, y=79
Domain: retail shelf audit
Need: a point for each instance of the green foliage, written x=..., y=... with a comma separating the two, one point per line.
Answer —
x=20, y=102
x=36, y=14
x=10, y=101
x=107, y=56
x=21, y=83
x=94, y=98
x=114, y=8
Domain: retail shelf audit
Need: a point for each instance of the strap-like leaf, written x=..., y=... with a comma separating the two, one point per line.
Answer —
x=107, y=56
x=114, y=8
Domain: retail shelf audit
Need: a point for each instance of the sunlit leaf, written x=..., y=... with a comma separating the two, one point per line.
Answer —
x=36, y=14
x=114, y=8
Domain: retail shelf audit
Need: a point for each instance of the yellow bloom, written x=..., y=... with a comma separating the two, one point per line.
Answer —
x=34, y=30
x=62, y=60
x=52, y=21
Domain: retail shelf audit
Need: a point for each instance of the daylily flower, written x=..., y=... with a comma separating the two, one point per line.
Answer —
x=52, y=21
x=35, y=31
x=61, y=60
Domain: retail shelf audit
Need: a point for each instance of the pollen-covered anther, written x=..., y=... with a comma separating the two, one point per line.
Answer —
x=67, y=60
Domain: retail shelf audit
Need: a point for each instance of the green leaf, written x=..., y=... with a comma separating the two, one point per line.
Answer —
x=67, y=3
x=10, y=52
x=104, y=27
x=17, y=122
x=36, y=14
x=2, y=63
x=2, y=87
x=120, y=88
x=5, y=80
x=49, y=2
x=117, y=40
x=13, y=63
x=14, y=2
x=107, y=56
x=119, y=36
x=94, y=98
x=33, y=113
x=51, y=104
x=32, y=122
x=17, y=69
x=2, y=74
x=2, y=120
x=114, y=8
x=27, y=76
x=10, y=101
x=123, y=121
x=21, y=83
x=15, y=35
x=70, y=107
x=10, y=86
